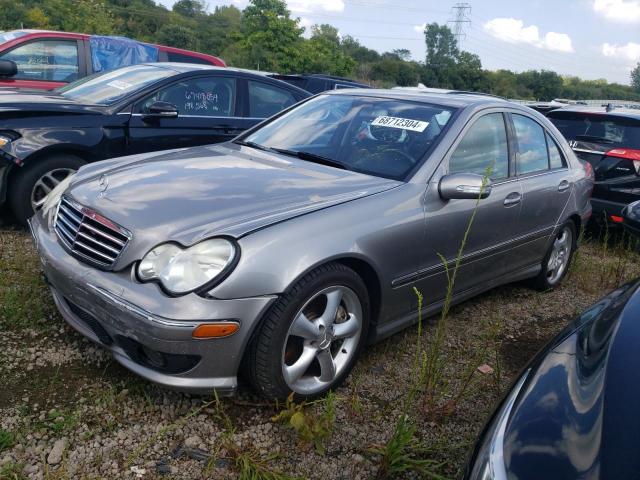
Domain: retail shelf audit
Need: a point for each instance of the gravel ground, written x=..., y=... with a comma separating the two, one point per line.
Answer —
x=68, y=411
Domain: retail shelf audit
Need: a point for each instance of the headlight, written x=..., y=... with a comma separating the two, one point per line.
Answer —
x=489, y=462
x=4, y=140
x=54, y=196
x=183, y=270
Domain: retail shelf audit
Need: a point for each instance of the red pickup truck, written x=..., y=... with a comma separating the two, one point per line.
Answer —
x=45, y=59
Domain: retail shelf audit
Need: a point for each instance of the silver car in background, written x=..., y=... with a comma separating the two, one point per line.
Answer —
x=281, y=253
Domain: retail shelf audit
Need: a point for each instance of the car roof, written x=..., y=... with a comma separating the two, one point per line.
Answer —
x=447, y=98
x=601, y=110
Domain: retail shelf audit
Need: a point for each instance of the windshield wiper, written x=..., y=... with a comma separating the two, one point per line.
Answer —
x=255, y=145
x=312, y=157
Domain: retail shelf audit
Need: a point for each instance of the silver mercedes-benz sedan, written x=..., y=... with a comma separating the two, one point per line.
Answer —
x=280, y=254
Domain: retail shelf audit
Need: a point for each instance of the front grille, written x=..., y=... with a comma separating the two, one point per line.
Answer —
x=89, y=235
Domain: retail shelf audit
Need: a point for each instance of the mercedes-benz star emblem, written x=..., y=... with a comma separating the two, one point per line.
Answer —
x=103, y=183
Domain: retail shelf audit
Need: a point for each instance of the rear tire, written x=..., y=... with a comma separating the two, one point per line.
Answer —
x=557, y=261
x=44, y=172
x=311, y=335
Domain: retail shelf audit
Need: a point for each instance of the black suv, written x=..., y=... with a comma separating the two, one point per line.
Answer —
x=608, y=138
x=319, y=83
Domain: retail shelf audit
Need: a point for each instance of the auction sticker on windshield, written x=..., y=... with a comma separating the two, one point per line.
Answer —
x=119, y=84
x=403, y=123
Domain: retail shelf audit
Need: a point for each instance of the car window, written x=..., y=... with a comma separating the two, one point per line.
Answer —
x=108, y=88
x=53, y=60
x=203, y=97
x=266, y=100
x=556, y=160
x=484, y=145
x=377, y=136
x=598, y=128
x=182, y=58
x=532, y=146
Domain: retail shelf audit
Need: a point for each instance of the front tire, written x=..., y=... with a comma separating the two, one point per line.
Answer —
x=558, y=258
x=311, y=337
x=34, y=181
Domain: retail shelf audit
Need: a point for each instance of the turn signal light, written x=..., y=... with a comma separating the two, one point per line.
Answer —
x=215, y=330
x=616, y=219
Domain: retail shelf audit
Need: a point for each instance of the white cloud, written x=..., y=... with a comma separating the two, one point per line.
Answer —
x=306, y=6
x=627, y=11
x=629, y=52
x=420, y=28
x=514, y=31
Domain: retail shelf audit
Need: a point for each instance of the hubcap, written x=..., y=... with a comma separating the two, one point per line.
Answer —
x=559, y=258
x=322, y=340
x=46, y=183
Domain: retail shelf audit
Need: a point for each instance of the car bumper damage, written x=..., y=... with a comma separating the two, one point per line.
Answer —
x=147, y=331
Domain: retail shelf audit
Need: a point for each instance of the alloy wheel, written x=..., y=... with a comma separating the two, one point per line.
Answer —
x=560, y=255
x=46, y=183
x=322, y=340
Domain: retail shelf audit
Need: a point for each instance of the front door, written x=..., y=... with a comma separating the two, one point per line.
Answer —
x=483, y=144
x=206, y=114
x=546, y=186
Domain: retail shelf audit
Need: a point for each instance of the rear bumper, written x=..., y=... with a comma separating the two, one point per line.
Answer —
x=145, y=330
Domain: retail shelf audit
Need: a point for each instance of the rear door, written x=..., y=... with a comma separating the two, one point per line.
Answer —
x=611, y=144
x=207, y=113
x=546, y=184
x=45, y=63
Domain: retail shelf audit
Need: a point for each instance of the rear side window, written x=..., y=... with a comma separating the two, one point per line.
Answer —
x=532, y=146
x=484, y=145
x=556, y=160
x=52, y=60
x=595, y=128
x=182, y=58
x=266, y=100
x=202, y=97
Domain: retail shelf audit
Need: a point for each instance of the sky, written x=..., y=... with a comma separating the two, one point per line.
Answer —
x=592, y=39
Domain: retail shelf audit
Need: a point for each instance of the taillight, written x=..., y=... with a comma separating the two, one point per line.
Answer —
x=588, y=168
x=627, y=154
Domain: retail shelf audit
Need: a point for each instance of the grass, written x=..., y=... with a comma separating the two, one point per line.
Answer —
x=311, y=429
x=7, y=439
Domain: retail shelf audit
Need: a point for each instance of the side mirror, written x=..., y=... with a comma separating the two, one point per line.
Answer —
x=8, y=68
x=461, y=186
x=158, y=110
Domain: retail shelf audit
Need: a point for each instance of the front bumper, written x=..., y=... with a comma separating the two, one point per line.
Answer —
x=146, y=331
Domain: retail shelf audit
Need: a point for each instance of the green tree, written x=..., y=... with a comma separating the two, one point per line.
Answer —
x=635, y=78
x=190, y=8
x=177, y=36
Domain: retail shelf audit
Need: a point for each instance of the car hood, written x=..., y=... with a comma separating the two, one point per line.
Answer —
x=190, y=194
x=576, y=416
x=25, y=103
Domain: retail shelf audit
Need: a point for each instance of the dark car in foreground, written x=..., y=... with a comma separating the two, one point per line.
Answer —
x=43, y=59
x=573, y=413
x=286, y=250
x=46, y=136
x=608, y=138
x=316, y=83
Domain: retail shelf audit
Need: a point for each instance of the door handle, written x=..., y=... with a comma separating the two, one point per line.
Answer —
x=564, y=185
x=512, y=199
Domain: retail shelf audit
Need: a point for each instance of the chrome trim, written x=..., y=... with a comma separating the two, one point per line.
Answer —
x=585, y=150
x=143, y=314
x=71, y=218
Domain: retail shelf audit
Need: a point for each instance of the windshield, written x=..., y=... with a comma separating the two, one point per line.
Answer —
x=381, y=137
x=110, y=87
x=6, y=36
x=598, y=128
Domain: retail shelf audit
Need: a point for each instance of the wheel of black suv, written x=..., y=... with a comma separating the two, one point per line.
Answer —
x=31, y=183
x=312, y=336
x=558, y=258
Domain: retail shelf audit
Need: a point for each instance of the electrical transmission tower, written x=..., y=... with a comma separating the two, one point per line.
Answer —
x=462, y=19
